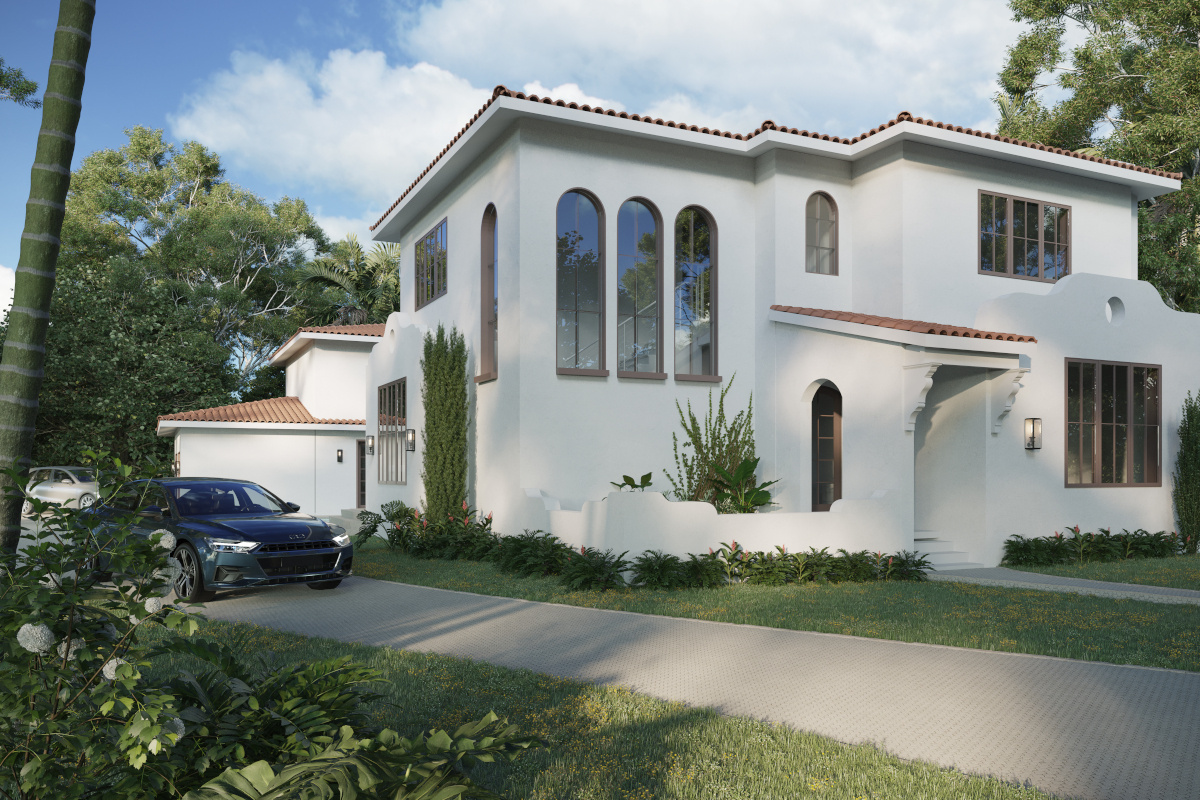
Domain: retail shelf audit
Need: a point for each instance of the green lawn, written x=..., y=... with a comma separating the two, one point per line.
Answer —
x=963, y=615
x=1180, y=572
x=611, y=743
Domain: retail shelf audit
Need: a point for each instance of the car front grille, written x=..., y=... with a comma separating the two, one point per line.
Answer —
x=288, y=547
x=279, y=566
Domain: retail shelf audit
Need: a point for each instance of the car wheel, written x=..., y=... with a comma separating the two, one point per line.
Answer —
x=86, y=500
x=27, y=508
x=189, y=586
x=324, y=584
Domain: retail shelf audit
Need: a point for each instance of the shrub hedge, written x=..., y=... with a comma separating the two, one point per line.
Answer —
x=1077, y=547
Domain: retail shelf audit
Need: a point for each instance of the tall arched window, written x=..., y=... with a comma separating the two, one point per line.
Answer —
x=638, y=351
x=695, y=296
x=826, y=448
x=580, y=279
x=489, y=297
x=821, y=236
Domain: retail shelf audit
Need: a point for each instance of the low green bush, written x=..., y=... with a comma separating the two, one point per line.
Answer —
x=1080, y=548
x=590, y=570
x=532, y=554
x=655, y=569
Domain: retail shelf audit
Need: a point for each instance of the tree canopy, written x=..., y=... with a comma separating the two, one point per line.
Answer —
x=357, y=287
x=1132, y=93
x=16, y=87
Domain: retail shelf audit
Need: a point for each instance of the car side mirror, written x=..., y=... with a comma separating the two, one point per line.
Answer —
x=292, y=506
x=153, y=512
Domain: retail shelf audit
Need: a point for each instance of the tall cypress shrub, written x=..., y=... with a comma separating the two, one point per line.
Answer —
x=1187, y=474
x=444, y=396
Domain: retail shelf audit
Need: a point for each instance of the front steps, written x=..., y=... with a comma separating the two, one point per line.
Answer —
x=348, y=519
x=941, y=553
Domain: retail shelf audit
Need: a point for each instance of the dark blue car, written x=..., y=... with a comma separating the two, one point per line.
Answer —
x=234, y=534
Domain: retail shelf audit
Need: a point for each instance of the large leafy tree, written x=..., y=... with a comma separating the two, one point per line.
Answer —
x=1132, y=93
x=24, y=346
x=357, y=286
x=221, y=250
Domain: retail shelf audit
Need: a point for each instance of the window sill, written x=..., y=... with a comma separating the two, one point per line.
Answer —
x=1113, y=485
x=582, y=373
x=486, y=377
x=645, y=376
x=996, y=274
x=699, y=378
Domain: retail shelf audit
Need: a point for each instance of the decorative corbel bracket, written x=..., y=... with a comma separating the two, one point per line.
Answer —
x=1004, y=388
x=918, y=380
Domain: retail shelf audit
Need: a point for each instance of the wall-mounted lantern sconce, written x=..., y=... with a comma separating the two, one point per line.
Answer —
x=370, y=445
x=1033, y=433
x=339, y=456
x=410, y=439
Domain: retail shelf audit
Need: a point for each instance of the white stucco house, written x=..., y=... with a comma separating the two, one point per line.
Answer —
x=604, y=266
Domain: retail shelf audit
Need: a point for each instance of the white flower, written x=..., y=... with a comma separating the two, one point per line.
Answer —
x=173, y=725
x=35, y=638
x=110, y=668
x=166, y=539
x=67, y=650
x=154, y=605
x=133, y=620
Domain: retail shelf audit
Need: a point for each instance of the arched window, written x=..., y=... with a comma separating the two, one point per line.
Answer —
x=821, y=239
x=489, y=297
x=695, y=296
x=580, y=279
x=826, y=447
x=638, y=278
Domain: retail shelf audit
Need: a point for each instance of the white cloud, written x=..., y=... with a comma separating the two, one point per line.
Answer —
x=336, y=227
x=8, y=278
x=571, y=93
x=836, y=67
x=352, y=124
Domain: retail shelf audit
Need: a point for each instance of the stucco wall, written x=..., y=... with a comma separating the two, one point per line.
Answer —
x=329, y=377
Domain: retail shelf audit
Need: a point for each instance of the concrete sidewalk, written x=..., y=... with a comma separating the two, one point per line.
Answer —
x=1015, y=579
x=1073, y=728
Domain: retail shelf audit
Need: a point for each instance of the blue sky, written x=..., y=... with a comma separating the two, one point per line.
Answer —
x=342, y=103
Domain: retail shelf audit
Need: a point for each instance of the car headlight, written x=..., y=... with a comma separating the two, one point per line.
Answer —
x=232, y=546
x=340, y=537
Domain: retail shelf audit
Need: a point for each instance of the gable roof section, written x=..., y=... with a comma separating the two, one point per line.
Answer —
x=273, y=410
x=915, y=326
x=301, y=339
x=349, y=330
x=768, y=125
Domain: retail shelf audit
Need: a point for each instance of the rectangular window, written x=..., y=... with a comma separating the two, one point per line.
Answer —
x=1113, y=424
x=393, y=419
x=1021, y=238
x=430, y=269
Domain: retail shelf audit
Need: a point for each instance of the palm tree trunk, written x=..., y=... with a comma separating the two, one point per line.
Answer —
x=25, y=346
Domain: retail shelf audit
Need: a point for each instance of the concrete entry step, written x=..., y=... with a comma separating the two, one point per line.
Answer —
x=941, y=553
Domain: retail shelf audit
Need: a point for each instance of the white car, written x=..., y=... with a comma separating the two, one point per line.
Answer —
x=64, y=486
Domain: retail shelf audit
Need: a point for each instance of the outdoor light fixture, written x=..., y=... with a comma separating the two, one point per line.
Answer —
x=410, y=439
x=1033, y=433
x=339, y=456
x=370, y=445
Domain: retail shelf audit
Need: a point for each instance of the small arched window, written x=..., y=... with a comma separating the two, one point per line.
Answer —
x=489, y=297
x=695, y=296
x=826, y=448
x=638, y=279
x=821, y=235
x=579, y=273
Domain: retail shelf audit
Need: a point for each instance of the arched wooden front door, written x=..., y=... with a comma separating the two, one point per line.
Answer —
x=826, y=447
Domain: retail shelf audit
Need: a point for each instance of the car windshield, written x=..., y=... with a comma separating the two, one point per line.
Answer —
x=221, y=497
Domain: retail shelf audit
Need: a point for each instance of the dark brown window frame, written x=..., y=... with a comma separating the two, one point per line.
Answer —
x=391, y=414
x=489, y=289
x=837, y=226
x=713, y=238
x=603, y=258
x=658, y=373
x=1008, y=256
x=421, y=265
x=1097, y=440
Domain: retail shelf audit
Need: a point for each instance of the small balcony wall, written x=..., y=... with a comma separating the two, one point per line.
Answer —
x=639, y=521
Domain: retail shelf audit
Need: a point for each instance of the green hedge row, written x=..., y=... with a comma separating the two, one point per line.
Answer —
x=1076, y=547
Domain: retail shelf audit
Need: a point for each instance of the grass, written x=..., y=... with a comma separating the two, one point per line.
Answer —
x=610, y=743
x=957, y=614
x=1179, y=572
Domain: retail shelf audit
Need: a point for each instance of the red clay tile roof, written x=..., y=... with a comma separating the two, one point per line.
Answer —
x=275, y=409
x=768, y=125
x=916, y=326
x=349, y=330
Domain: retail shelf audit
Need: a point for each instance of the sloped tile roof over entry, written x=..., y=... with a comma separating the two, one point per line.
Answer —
x=275, y=409
x=916, y=326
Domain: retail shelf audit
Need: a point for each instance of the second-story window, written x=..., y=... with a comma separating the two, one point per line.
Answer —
x=1021, y=238
x=579, y=273
x=430, y=268
x=820, y=241
x=638, y=353
x=695, y=297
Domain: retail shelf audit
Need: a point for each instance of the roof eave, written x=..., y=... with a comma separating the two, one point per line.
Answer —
x=930, y=341
x=172, y=426
x=302, y=340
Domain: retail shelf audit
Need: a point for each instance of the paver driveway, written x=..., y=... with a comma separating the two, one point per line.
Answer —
x=1074, y=728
